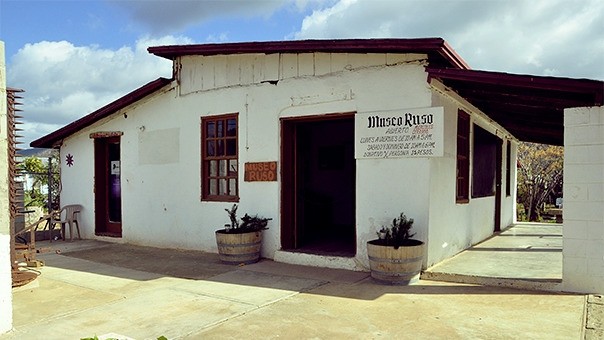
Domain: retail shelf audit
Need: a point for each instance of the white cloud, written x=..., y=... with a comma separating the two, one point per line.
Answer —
x=544, y=37
x=64, y=82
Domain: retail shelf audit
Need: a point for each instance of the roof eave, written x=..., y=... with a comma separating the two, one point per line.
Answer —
x=520, y=80
x=530, y=107
x=431, y=46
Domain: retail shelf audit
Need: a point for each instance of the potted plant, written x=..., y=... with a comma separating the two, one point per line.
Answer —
x=395, y=257
x=240, y=243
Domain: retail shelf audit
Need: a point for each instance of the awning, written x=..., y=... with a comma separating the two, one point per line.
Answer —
x=530, y=107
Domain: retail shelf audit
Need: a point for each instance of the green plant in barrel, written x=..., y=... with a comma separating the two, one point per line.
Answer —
x=248, y=223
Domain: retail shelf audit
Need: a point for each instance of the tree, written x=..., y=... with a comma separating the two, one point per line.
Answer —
x=539, y=176
x=38, y=171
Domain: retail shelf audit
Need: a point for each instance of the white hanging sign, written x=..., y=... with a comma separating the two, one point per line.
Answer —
x=400, y=134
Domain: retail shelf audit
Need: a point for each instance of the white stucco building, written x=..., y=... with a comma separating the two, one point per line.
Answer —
x=329, y=138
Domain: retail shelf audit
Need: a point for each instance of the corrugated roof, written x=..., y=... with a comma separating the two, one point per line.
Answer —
x=52, y=139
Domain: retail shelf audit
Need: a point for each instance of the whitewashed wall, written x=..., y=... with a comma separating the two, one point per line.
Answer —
x=454, y=227
x=583, y=251
x=6, y=302
x=161, y=186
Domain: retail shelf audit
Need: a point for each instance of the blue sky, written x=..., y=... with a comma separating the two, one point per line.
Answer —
x=113, y=24
x=72, y=57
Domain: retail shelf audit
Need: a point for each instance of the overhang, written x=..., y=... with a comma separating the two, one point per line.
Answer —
x=439, y=53
x=530, y=107
x=54, y=139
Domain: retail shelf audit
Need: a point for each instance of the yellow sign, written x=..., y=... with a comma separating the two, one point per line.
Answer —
x=261, y=172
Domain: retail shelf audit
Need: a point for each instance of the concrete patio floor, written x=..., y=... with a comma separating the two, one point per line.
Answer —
x=526, y=255
x=90, y=288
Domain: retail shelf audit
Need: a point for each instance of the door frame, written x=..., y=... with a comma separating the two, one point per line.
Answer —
x=103, y=225
x=290, y=216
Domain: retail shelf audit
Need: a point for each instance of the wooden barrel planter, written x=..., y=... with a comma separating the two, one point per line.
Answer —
x=239, y=248
x=395, y=266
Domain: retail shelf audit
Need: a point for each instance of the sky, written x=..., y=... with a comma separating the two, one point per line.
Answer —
x=72, y=57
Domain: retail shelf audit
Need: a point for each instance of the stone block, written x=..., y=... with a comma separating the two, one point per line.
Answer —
x=595, y=268
x=596, y=115
x=583, y=211
x=576, y=117
x=575, y=229
x=583, y=173
x=572, y=211
x=576, y=192
x=596, y=192
x=574, y=265
x=582, y=284
x=595, y=230
x=583, y=154
x=595, y=253
x=593, y=211
x=584, y=135
x=573, y=249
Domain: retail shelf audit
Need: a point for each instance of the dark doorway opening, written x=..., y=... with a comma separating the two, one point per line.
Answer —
x=487, y=174
x=318, y=192
x=107, y=185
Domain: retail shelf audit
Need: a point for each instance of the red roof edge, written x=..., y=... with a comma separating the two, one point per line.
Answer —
x=436, y=48
x=52, y=140
x=596, y=87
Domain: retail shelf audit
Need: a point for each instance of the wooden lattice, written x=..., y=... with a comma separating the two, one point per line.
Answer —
x=14, y=188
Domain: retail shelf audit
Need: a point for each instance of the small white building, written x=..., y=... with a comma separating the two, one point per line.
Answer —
x=329, y=138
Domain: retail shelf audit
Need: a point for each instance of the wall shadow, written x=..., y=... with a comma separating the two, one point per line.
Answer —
x=148, y=263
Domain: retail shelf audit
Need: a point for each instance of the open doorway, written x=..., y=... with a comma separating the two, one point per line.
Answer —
x=487, y=173
x=108, y=201
x=318, y=185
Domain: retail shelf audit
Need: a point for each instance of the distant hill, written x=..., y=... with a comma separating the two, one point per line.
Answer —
x=37, y=152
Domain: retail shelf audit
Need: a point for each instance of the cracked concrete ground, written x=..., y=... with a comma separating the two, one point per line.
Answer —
x=95, y=288
x=594, y=324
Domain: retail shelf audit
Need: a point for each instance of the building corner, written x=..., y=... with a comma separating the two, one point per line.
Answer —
x=6, y=304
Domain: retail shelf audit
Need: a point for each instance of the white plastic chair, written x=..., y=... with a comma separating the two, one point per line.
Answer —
x=68, y=215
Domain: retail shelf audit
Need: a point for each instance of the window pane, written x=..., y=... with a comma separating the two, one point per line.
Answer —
x=220, y=148
x=210, y=130
x=232, y=187
x=211, y=148
x=232, y=167
x=231, y=127
x=213, y=168
x=223, y=168
x=220, y=128
x=223, y=186
x=231, y=145
x=213, y=187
